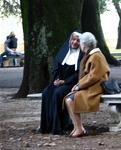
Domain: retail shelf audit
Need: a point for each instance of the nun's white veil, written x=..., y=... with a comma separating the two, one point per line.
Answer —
x=72, y=56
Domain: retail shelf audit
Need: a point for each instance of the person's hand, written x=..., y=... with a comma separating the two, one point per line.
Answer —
x=58, y=82
x=61, y=82
x=75, y=88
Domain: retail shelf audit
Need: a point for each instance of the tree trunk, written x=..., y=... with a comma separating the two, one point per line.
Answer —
x=46, y=24
x=91, y=23
x=24, y=88
x=118, y=9
x=118, y=46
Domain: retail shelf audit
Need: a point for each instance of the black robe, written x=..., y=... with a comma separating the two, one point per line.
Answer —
x=53, y=119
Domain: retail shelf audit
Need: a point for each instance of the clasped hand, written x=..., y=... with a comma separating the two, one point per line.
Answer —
x=75, y=88
x=58, y=82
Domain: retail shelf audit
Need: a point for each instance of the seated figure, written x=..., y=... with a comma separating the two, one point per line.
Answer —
x=85, y=94
x=65, y=74
x=10, y=46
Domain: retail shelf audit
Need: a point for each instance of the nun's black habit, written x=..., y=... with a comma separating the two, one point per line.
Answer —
x=53, y=119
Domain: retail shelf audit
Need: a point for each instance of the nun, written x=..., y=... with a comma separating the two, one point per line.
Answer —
x=65, y=76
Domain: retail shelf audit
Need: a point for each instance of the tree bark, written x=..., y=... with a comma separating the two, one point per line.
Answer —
x=118, y=9
x=91, y=23
x=118, y=46
x=24, y=88
x=46, y=24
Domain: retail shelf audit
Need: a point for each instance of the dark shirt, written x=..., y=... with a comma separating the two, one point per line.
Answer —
x=13, y=42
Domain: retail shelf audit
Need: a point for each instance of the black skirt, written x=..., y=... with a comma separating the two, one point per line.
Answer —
x=53, y=119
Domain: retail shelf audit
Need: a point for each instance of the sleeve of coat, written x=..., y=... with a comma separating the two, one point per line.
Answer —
x=94, y=73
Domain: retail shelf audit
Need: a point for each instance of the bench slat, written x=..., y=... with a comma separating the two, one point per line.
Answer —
x=36, y=95
x=112, y=96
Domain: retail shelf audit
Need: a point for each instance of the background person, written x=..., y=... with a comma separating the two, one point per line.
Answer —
x=85, y=95
x=10, y=46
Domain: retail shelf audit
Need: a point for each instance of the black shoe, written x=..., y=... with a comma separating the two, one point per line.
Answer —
x=36, y=131
x=1, y=65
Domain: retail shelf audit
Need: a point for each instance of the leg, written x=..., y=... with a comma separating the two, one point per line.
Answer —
x=69, y=103
x=79, y=126
x=76, y=119
x=2, y=58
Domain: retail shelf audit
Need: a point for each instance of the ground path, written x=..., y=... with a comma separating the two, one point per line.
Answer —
x=19, y=116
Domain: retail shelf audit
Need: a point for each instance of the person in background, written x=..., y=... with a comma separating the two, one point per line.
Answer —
x=10, y=46
x=85, y=95
x=65, y=75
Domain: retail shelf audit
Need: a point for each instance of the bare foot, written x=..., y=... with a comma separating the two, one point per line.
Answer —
x=78, y=133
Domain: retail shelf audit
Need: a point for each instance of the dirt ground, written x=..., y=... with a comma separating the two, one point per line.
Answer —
x=19, y=116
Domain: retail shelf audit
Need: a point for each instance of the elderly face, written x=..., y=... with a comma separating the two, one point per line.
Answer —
x=75, y=42
x=84, y=48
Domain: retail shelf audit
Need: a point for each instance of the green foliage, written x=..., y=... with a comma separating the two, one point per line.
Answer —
x=103, y=6
x=116, y=1
x=104, y=3
x=9, y=7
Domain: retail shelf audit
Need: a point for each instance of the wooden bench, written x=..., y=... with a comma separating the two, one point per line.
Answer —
x=36, y=95
x=113, y=102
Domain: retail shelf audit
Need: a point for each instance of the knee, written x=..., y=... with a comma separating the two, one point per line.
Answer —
x=68, y=102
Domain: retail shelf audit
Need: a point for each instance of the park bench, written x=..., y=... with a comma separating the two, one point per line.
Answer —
x=117, y=55
x=112, y=101
x=9, y=61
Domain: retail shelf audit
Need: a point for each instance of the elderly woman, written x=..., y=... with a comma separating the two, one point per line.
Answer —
x=65, y=76
x=85, y=95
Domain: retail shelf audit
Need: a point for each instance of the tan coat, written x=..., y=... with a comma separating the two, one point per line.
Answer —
x=87, y=99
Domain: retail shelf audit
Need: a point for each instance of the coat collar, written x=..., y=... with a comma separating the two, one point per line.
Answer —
x=94, y=51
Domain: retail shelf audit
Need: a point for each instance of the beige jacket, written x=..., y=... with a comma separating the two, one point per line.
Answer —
x=87, y=99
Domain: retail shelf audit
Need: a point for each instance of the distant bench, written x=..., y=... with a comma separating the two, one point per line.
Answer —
x=113, y=102
x=116, y=54
x=9, y=61
x=36, y=95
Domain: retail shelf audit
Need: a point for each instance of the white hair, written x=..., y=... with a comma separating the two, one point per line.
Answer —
x=88, y=39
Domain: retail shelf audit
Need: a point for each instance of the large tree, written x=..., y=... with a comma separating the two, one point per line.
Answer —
x=46, y=24
x=90, y=21
x=117, y=4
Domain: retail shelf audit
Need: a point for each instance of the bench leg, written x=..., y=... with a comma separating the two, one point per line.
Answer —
x=119, y=125
x=118, y=107
x=115, y=114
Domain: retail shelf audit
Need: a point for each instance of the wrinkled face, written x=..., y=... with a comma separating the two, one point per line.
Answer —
x=75, y=42
x=84, y=48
